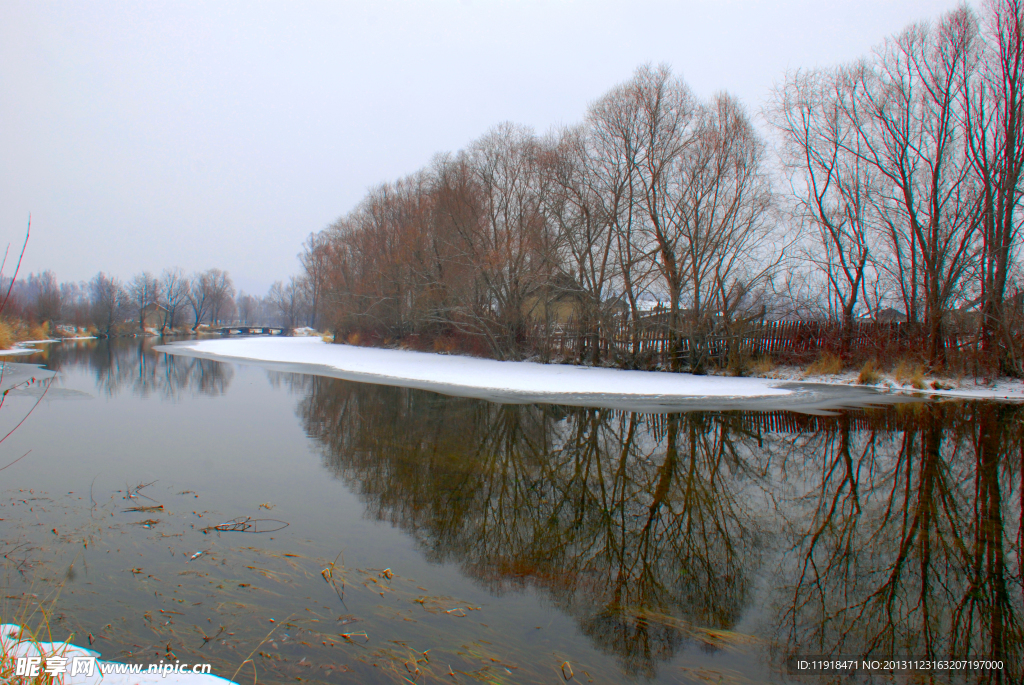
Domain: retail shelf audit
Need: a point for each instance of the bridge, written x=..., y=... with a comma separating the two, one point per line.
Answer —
x=253, y=330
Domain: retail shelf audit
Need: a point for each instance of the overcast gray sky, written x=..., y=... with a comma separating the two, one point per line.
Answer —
x=152, y=134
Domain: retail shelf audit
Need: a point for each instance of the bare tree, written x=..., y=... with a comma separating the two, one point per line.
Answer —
x=248, y=308
x=199, y=297
x=994, y=111
x=109, y=302
x=911, y=125
x=722, y=223
x=832, y=183
x=48, y=302
x=144, y=290
x=665, y=114
x=174, y=290
x=222, y=295
x=512, y=249
x=315, y=258
x=585, y=223
x=289, y=301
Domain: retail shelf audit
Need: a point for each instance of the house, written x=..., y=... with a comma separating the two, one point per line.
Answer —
x=556, y=302
x=154, y=316
x=889, y=315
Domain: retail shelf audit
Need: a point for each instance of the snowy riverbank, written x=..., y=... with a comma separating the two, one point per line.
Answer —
x=63, y=657
x=525, y=381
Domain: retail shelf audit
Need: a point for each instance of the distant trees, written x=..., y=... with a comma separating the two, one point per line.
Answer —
x=316, y=262
x=210, y=295
x=109, y=302
x=249, y=309
x=48, y=300
x=289, y=302
x=174, y=289
x=143, y=291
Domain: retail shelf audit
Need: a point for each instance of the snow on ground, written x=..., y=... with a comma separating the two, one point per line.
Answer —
x=13, y=646
x=20, y=349
x=523, y=381
x=967, y=388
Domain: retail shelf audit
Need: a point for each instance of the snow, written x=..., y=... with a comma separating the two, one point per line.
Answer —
x=520, y=382
x=20, y=349
x=12, y=647
x=963, y=388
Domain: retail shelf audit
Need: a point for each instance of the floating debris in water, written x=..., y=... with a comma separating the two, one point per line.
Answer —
x=247, y=524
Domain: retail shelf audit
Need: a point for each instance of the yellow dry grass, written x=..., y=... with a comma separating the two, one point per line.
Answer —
x=39, y=332
x=869, y=374
x=826, y=364
x=6, y=335
x=8, y=666
x=910, y=373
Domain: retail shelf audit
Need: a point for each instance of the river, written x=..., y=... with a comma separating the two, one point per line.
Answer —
x=290, y=527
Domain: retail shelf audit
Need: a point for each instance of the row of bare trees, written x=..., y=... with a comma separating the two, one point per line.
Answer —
x=109, y=304
x=167, y=303
x=903, y=193
x=905, y=167
x=656, y=196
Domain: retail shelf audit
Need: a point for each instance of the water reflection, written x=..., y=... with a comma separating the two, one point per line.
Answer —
x=883, y=532
x=904, y=534
x=133, y=366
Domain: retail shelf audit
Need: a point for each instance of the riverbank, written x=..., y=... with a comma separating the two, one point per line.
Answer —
x=525, y=382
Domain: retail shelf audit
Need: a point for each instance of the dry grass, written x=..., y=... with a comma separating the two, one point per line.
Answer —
x=910, y=373
x=6, y=335
x=353, y=339
x=762, y=365
x=444, y=344
x=869, y=374
x=826, y=364
x=39, y=332
x=8, y=665
x=26, y=615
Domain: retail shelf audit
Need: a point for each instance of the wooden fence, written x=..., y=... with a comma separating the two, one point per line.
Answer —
x=783, y=341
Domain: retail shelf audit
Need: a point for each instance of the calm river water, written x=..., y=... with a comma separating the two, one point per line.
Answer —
x=439, y=539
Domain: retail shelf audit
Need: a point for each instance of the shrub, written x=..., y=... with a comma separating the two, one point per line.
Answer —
x=910, y=373
x=38, y=332
x=6, y=335
x=826, y=364
x=869, y=374
x=445, y=344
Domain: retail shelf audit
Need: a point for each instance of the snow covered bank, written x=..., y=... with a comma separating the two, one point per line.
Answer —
x=12, y=646
x=21, y=349
x=934, y=386
x=522, y=382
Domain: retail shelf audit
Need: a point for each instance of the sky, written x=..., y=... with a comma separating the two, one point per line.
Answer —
x=147, y=135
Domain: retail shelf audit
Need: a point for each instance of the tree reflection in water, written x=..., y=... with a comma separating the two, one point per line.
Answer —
x=878, y=532
x=904, y=534
x=131, y=365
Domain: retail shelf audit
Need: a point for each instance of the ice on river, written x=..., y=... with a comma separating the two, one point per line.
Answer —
x=520, y=382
